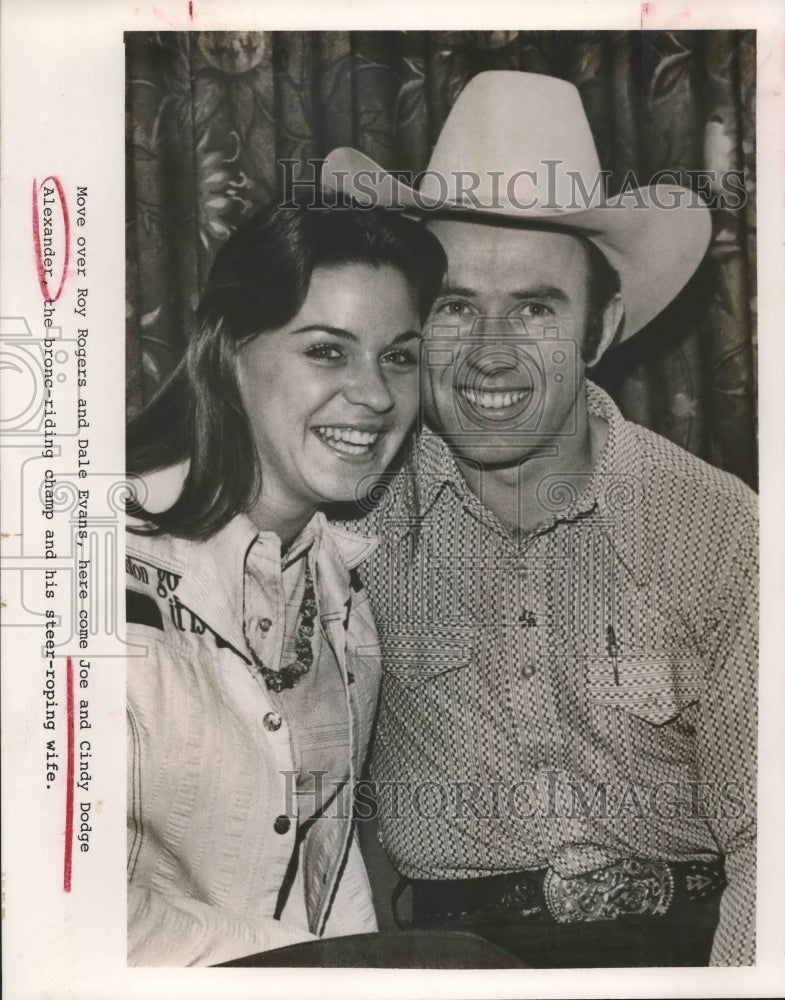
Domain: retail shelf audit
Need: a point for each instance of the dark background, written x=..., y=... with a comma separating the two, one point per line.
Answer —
x=210, y=113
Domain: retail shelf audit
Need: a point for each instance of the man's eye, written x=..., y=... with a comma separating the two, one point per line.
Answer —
x=535, y=309
x=452, y=307
x=401, y=357
x=324, y=352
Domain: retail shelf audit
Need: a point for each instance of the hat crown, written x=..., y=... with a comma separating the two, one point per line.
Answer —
x=516, y=140
x=519, y=146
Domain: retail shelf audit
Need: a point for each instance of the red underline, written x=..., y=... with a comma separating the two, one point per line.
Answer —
x=69, y=789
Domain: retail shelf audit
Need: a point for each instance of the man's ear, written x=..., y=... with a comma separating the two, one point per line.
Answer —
x=612, y=318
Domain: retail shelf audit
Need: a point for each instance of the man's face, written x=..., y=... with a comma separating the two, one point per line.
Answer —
x=502, y=359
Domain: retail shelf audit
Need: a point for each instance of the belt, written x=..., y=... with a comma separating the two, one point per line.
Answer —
x=628, y=888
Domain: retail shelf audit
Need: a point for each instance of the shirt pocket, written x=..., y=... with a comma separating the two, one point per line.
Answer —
x=414, y=654
x=654, y=687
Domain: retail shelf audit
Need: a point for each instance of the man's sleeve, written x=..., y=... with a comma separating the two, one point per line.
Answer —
x=728, y=743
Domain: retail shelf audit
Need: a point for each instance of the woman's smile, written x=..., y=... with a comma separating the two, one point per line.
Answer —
x=351, y=442
x=332, y=395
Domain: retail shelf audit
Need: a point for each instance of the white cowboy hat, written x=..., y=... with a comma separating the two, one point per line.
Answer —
x=518, y=147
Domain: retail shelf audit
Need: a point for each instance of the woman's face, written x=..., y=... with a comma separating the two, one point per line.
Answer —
x=331, y=395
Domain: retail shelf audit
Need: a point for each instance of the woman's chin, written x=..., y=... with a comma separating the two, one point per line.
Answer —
x=353, y=481
x=351, y=493
x=357, y=491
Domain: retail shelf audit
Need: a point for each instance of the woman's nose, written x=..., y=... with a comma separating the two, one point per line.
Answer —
x=368, y=387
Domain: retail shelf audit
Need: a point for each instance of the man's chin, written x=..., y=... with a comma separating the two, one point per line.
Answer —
x=492, y=454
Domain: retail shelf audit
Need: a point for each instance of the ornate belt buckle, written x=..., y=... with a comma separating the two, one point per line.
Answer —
x=622, y=889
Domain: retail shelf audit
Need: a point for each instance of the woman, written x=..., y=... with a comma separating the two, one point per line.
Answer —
x=252, y=695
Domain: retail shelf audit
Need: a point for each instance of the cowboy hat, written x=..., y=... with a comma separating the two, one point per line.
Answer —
x=517, y=147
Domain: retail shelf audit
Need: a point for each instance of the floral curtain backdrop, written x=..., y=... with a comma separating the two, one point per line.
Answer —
x=210, y=114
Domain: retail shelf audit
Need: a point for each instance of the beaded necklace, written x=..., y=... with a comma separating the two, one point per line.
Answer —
x=288, y=676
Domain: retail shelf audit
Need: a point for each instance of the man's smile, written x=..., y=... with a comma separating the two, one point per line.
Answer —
x=493, y=399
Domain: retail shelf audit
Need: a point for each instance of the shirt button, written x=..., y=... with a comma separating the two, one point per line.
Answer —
x=265, y=625
x=272, y=722
x=282, y=824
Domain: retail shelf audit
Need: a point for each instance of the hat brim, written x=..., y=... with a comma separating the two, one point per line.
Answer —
x=654, y=237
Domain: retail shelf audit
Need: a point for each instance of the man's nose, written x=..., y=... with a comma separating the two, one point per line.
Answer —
x=368, y=387
x=494, y=359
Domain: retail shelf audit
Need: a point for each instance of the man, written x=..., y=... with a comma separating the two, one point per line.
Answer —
x=567, y=603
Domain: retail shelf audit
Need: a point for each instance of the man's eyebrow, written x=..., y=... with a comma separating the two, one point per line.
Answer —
x=548, y=292
x=338, y=331
x=467, y=293
x=551, y=292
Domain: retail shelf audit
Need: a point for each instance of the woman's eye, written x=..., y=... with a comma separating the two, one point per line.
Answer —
x=324, y=352
x=401, y=357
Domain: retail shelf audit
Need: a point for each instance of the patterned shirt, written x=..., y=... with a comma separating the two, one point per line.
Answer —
x=581, y=695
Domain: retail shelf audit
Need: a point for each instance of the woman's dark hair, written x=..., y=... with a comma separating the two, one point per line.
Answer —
x=258, y=282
